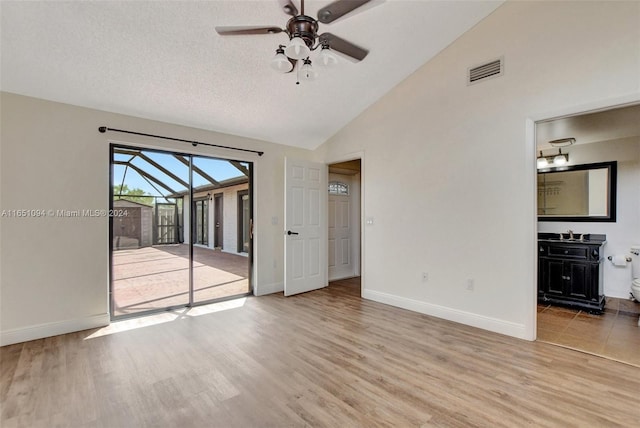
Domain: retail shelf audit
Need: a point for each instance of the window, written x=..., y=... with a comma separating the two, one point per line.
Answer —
x=338, y=188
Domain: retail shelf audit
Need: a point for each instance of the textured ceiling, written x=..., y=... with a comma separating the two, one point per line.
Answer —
x=163, y=60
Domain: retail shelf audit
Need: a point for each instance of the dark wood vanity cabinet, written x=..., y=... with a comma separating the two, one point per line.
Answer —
x=570, y=273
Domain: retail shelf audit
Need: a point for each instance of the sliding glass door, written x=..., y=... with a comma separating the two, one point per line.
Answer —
x=167, y=245
x=218, y=270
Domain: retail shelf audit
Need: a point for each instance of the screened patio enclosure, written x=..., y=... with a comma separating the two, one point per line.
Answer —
x=180, y=230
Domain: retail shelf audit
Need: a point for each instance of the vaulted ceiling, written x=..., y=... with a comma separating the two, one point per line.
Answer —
x=163, y=60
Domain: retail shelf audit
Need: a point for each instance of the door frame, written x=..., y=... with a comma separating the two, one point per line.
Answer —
x=344, y=158
x=531, y=318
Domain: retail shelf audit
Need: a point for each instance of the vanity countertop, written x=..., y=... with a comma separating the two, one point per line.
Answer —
x=589, y=238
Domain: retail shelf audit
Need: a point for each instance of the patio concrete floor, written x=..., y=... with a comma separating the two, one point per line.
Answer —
x=157, y=277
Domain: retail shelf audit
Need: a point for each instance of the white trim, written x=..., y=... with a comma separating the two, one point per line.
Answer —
x=467, y=318
x=264, y=289
x=40, y=331
x=531, y=317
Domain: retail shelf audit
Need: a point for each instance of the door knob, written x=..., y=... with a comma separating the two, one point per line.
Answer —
x=292, y=233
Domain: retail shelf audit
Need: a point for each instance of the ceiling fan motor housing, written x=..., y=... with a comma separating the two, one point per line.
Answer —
x=305, y=27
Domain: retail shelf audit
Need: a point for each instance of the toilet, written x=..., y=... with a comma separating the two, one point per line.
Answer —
x=635, y=272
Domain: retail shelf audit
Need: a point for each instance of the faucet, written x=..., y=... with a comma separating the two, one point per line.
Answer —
x=570, y=234
x=561, y=237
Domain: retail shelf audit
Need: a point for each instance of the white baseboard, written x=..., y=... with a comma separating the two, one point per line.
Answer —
x=264, y=289
x=40, y=331
x=462, y=317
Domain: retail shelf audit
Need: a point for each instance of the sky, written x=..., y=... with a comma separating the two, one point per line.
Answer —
x=218, y=169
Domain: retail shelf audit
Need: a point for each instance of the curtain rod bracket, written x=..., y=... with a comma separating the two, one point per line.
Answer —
x=104, y=129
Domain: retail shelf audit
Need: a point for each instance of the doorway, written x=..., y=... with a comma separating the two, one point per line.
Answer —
x=609, y=134
x=161, y=256
x=344, y=207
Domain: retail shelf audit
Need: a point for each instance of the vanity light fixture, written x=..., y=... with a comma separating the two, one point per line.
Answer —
x=559, y=159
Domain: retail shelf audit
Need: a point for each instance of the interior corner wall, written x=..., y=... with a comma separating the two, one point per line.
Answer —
x=54, y=269
x=449, y=168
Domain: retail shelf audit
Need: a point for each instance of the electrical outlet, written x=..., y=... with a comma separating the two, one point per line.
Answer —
x=470, y=284
x=425, y=276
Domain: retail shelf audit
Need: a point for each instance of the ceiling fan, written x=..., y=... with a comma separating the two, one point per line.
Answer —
x=304, y=38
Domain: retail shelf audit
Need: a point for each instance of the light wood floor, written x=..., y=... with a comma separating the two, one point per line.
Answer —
x=325, y=358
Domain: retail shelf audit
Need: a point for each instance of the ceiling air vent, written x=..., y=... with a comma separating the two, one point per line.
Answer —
x=486, y=71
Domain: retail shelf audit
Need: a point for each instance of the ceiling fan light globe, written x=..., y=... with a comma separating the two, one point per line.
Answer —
x=297, y=49
x=327, y=58
x=308, y=73
x=281, y=64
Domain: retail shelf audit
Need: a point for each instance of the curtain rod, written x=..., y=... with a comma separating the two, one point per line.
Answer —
x=104, y=129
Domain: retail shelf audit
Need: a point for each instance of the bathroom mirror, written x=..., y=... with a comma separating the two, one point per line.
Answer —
x=578, y=193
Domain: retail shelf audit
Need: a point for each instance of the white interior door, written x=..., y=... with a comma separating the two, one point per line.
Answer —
x=305, y=226
x=341, y=229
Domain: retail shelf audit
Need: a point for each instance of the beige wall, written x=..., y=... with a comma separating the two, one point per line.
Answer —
x=54, y=271
x=449, y=169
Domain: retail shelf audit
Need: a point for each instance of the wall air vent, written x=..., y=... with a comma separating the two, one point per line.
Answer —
x=485, y=71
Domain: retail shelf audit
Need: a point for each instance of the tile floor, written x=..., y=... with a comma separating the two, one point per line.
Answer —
x=615, y=334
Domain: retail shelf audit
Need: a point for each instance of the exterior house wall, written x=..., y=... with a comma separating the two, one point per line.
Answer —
x=230, y=216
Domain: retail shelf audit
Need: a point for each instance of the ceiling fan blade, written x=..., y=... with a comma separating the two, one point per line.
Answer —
x=288, y=7
x=338, y=8
x=341, y=45
x=239, y=31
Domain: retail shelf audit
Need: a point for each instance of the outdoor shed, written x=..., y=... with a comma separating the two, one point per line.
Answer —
x=132, y=224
